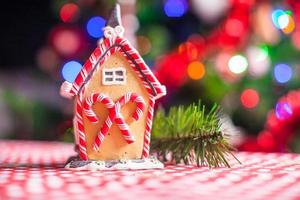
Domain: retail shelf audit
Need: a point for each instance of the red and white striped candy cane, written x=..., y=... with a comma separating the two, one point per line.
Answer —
x=114, y=114
x=140, y=104
x=90, y=101
x=91, y=115
x=119, y=119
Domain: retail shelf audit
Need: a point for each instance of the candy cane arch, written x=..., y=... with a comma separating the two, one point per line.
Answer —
x=114, y=114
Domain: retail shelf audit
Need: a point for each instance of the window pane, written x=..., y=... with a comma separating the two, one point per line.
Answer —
x=120, y=79
x=108, y=73
x=119, y=72
x=108, y=79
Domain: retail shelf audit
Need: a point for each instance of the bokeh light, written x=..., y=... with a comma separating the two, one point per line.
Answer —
x=196, y=70
x=259, y=61
x=283, y=111
x=70, y=70
x=210, y=11
x=238, y=64
x=47, y=59
x=296, y=39
x=188, y=49
x=283, y=73
x=223, y=70
x=276, y=14
x=69, y=12
x=290, y=26
x=130, y=20
x=283, y=20
x=144, y=45
x=175, y=8
x=94, y=27
x=249, y=98
x=234, y=27
x=66, y=41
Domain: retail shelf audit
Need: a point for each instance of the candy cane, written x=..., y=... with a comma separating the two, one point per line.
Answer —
x=140, y=106
x=114, y=114
x=80, y=129
x=89, y=101
x=91, y=115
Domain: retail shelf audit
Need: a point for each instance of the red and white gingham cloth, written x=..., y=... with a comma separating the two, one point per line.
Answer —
x=40, y=175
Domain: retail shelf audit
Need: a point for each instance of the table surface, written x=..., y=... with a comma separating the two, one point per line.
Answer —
x=34, y=170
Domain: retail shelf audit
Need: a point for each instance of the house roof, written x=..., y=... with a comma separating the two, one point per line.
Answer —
x=105, y=49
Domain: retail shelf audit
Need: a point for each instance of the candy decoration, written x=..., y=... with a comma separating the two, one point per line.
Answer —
x=147, y=136
x=79, y=130
x=121, y=45
x=115, y=114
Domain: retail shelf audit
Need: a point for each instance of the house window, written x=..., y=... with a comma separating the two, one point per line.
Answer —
x=116, y=76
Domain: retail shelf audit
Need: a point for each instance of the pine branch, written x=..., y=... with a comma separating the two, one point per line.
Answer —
x=190, y=134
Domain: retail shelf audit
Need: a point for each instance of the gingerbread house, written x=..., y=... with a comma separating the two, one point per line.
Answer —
x=114, y=96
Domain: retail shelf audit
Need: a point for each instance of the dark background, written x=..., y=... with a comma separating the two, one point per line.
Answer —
x=24, y=28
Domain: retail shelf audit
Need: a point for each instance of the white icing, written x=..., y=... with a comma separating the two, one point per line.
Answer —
x=65, y=89
x=147, y=163
x=111, y=77
x=112, y=33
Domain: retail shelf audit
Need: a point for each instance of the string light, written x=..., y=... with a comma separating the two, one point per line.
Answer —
x=175, y=8
x=70, y=70
x=249, y=98
x=94, y=27
x=283, y=73
x=283, y=110
x=196, y=70
x=238, y=64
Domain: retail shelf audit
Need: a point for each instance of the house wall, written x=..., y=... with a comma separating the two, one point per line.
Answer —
x=114, y=146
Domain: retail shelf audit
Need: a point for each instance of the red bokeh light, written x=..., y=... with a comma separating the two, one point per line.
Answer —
x=249, y=98
x=69, y=12
x=67, y=41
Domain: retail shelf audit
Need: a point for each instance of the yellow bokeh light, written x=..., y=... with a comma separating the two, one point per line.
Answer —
x=196, y=70
x=290, y=26
x=189, y=49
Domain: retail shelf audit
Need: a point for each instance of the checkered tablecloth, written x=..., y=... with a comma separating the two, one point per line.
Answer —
x=34, y=170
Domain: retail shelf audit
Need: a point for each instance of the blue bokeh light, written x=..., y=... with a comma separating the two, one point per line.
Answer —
x=275, y=16
x=283, y=73
x=94, y=27
x=283, y=111
x=70, y=70
x=175, y=8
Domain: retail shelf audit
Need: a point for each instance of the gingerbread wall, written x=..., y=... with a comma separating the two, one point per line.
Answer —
x=114, y=146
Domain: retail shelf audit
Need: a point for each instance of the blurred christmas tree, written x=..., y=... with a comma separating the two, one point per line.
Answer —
x=240, y=54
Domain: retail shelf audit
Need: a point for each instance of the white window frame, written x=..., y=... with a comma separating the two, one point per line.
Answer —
x=114, y=76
